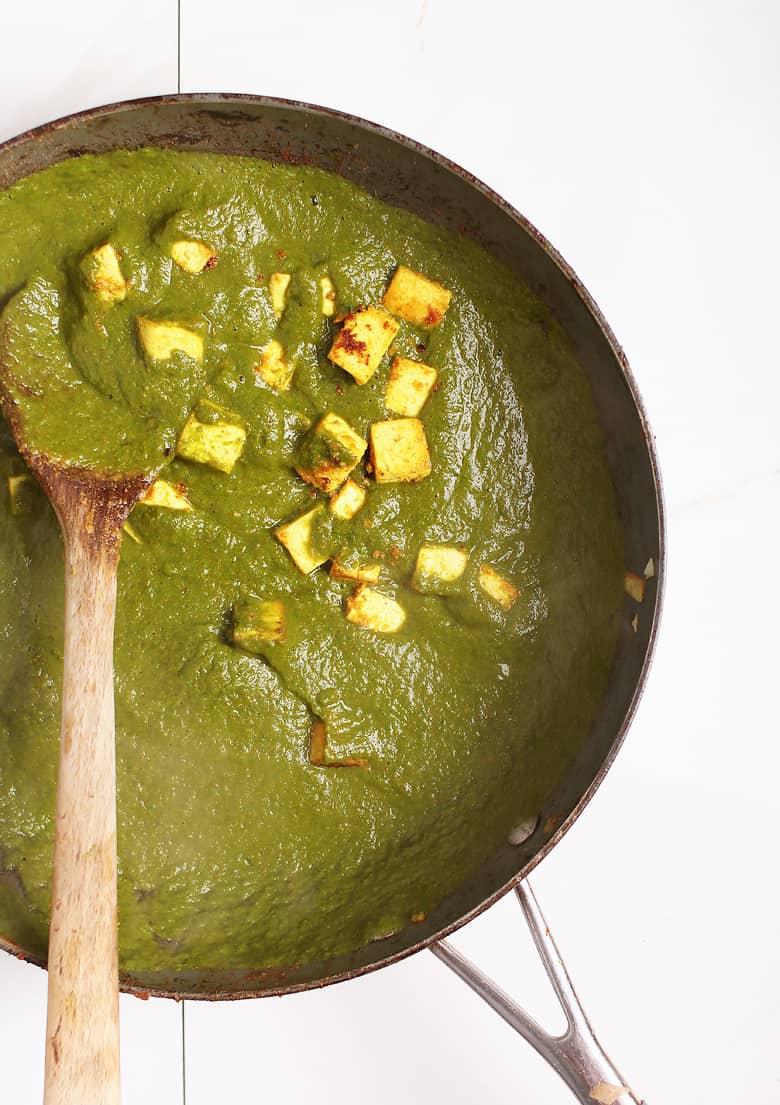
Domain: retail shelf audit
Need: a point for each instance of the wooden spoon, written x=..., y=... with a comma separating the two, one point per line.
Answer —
x=82, y=1024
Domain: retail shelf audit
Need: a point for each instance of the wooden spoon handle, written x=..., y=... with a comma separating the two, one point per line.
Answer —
x=82, y=1029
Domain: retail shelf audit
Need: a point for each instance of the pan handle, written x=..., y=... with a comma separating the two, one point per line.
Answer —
x=576, y=1055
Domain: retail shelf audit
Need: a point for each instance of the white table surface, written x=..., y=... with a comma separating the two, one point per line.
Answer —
x=643, y=141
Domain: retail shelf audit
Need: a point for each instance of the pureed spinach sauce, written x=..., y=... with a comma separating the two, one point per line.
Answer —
x=235, y=849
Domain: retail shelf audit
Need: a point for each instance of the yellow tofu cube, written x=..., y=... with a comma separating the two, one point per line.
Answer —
x=415, y=298
x=193, y=256
x=212, y=436
x=348, y=500
x=348, y=566
x=278, y=284
x=362, y=342
x=409, y=385
x=258, y=623
x=399, y=451
x=497, y=588
x=329, y=452
x=635, y=586
x=273, y=368
x=172, y=496
x=21, y=491
x=297, y=537
x=371, y=609
x=104, y=275
x=160, y=339
x=327, y=296
x=438, y=568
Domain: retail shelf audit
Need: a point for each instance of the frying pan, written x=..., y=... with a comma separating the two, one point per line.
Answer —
x=406, y=174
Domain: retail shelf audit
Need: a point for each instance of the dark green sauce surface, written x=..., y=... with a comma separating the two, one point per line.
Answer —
x=234, y=850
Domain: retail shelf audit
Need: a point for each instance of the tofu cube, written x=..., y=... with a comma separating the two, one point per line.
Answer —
x=497, y=588
x=278, y=284
x=104, y=275
x=399, y=451
x=327, y=296
x=258, y=623
x=371, y=609
x=415, y=298
x=160, y=339
x=635, y=586
x=273, y=368
x=348, y=500
x=212, y=436
x=21, y=492
x=438, y=569
x=172, y=496
x=409, y=385
x=329, y=452
x=347, y=565
x=297, y=537
x=193, y=256
x=362, y=342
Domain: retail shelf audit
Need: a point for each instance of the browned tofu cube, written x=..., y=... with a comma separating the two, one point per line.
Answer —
x=329, y=452
x=417, y=299
x=104, y=275
x=371, y=609
x=348, y=500
x=297, y=537
x=171, y=496
x=274, y=368
x=399, y=451
x=349, y=566
x=497, y=588
x=193, y=256
x=409, y=385
x=362, y=342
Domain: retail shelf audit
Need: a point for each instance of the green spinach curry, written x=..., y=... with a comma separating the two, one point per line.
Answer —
x=368, y=610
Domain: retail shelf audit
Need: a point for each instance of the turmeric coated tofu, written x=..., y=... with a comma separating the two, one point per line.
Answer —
x=297, y=537
x=348, y=500
x=438, y=569
x=362, y=342
x=409, y=385
x=193, y=256
x=415, y=298
x=370, y=609
x=399, y=451
x=497, y=588
x=347, y=565
x=327, y=296
x=258, y=623
x=329, y=452
x=278, y=285
x=273, y=367
x=160, y=339
x=212, y=436
x=104, y=275
x=162, y=493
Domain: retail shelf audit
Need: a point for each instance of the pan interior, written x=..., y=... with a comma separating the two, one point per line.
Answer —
x=585, y=351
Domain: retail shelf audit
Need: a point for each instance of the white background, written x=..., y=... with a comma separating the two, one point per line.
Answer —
x=642, y=139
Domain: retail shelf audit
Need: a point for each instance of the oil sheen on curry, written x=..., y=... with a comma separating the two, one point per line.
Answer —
x=368, y=609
